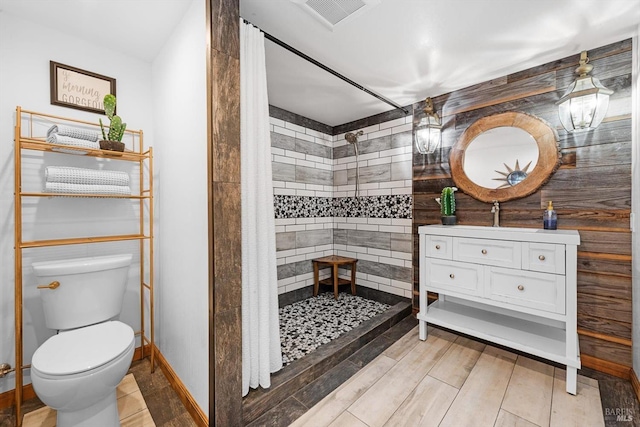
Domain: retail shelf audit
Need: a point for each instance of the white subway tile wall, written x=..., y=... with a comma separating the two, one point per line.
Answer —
x=314, y=177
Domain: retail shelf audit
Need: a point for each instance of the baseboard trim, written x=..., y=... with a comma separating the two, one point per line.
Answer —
x=611, y=368
x=635, y=383
x=8, y=398
x=138, y=353
x=187, y=399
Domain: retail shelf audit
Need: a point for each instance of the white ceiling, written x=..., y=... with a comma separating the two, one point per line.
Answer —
x=135, y=27
x=404, y=50
x=407, y=50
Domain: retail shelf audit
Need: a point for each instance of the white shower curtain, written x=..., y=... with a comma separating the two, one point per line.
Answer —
x=261, y=353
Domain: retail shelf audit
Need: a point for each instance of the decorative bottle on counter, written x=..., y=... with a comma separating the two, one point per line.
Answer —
x=550, y=218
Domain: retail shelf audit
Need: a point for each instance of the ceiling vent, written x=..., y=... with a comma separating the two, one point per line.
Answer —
x=335, y=12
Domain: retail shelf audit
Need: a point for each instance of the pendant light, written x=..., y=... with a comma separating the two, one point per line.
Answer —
x=429, y=130
x=585, y=103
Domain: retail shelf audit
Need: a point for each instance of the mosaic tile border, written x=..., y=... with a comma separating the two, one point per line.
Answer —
x=302, y=206
x=387, y=206
x=391, y=206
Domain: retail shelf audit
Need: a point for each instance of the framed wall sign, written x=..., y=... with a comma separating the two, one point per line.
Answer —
x=75, y=88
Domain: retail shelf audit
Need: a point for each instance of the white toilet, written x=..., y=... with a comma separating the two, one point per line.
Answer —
x=76, y=371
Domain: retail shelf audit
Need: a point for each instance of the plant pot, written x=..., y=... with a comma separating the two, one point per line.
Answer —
x=111, y=145
x=448, y=220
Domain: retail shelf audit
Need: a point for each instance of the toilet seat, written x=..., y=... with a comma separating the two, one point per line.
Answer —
x=83, y=349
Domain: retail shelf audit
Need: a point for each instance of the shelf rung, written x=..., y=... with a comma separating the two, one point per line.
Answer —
x=81, y=240
x=40, y=145
x=90, y=195
x=146, y=286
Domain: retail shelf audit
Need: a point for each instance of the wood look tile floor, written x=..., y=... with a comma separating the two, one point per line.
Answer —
x=131, y=407
x=162, y=401
x=450, y=380
x=402, y=381
x=164, y=407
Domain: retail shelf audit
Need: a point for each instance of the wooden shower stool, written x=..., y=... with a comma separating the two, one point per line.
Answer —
x=334, y=261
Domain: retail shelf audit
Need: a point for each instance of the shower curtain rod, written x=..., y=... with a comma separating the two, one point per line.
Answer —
x=327, y=69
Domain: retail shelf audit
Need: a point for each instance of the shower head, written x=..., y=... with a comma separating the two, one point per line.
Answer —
x=351, y=137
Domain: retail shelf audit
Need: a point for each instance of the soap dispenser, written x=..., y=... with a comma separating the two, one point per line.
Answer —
x=550, y=218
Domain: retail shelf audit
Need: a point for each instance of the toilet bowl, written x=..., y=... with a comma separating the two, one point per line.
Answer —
x=76, y=372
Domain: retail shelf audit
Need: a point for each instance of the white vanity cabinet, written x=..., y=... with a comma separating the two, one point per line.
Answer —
x=512, y=286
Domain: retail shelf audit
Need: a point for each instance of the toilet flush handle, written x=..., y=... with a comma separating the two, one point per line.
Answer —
x=52, y=285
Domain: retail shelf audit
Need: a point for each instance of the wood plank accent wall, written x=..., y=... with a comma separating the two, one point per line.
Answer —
x=225, y=259
x=591, y=191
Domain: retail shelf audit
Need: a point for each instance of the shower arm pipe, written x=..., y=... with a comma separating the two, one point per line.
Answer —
x=352, y=138
x=357, y=193
x=327, y=69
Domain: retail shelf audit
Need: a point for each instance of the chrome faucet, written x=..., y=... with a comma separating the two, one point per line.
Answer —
x=495, y=210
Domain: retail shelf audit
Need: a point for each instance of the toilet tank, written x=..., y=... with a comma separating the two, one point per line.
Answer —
x=91, y=289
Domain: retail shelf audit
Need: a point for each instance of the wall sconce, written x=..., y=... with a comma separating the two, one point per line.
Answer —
x=429, y=130
x=585, y=103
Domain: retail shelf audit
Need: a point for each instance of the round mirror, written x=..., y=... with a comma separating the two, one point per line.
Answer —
x=493, y=158
x=504, y=157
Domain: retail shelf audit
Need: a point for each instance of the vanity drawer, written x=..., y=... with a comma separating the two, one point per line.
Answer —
x=544, y=257
x=443, y=276
x=501, y=253
x=439, y=247
x=540, y=291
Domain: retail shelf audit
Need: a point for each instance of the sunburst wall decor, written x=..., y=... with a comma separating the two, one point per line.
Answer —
x=513, y=175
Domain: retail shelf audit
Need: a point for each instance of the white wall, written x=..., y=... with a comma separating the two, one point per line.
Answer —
x=25, y=52
x=180, y=116
x=167, y=100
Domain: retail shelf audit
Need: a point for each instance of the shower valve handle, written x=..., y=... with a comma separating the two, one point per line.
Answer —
x=53, y=285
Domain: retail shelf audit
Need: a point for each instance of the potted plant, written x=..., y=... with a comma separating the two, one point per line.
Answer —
x=447, y=202
x=112, y=140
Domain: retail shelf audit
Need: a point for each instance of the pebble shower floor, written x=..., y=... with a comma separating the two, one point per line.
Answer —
x=305, y=325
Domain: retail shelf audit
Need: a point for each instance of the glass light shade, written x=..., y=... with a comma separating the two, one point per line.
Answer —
x=428, y=135
x=584, y=105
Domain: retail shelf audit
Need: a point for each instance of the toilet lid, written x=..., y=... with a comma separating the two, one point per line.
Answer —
x=83, y=349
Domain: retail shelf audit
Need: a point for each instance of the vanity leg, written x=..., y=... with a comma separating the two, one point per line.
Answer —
x=572, y=378
x=423, y=330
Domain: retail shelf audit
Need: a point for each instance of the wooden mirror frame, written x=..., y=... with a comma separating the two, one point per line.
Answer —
x=548, y=156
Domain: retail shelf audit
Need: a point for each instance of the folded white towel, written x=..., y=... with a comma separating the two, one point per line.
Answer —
x=64, y=187
x=72, y=175
x=74, y=132
x=75, y=142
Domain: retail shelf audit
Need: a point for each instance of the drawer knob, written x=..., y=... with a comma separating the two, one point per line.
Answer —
x=484, y=252
x=520, y=288
x=541, y=258
x=452, y=275
x=437, y=247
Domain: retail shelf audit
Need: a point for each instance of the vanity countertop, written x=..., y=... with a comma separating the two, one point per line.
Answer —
x=538, y=235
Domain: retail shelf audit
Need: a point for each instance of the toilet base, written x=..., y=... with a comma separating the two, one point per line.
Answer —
x=103, y=413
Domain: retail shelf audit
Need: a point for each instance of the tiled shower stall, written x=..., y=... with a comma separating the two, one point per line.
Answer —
x=318, y=214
